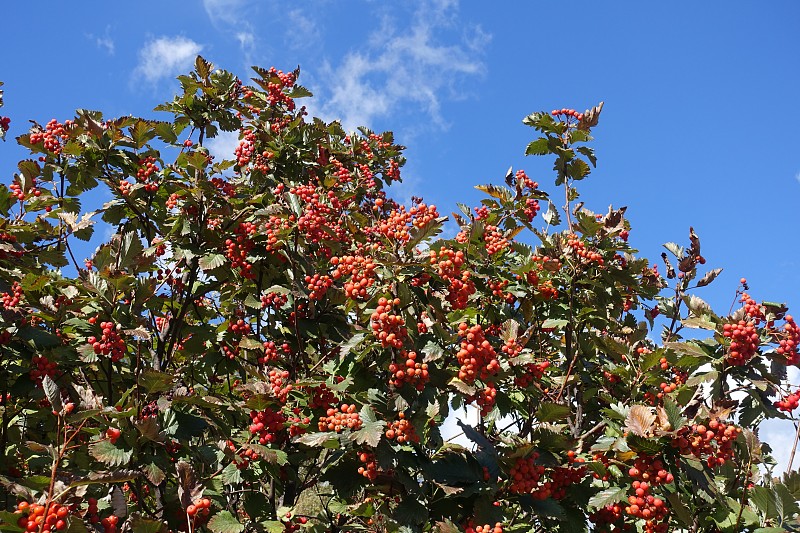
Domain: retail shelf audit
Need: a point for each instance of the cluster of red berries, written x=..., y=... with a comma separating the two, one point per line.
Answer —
x=270, y=353
x=486, y=528
x=12, y=299
x=322, y=397
x=340, y=418
x=511, y=348
x=53, y=137
x=41, y=367
x=651, y=470
x=245, y=153
x=272, y=228
x=275, y=88
x=361, y=271
x=278, y=383
x=402, y=431
x=239, y=327
x=610, y=514
x=318, y=220
x=476, y=356
x=318, y=285
x=388, y=327
x=642, y=504
x=744, y=342
x=788, y=345
x=498, y=289
x=485, y=398
x=525, y=474
x=789, y=402
x=751, y=308
x=273, y=300
x=199, y=509
x=370, y=468
x=712, y=443
x=298, y=424
x=230, y=351
x=532, y=372
x=448, y=264
x=567, y=113
x=408, y=370
x=531, y=205
x=110, y=342
x=9, y=239
x=5, y=123
x=243, y=456
x=494, y=240
x=237, y=249
x=16, y=190
x=147, y=167
x=579, y=249
x=267, y=425
x=37, y=517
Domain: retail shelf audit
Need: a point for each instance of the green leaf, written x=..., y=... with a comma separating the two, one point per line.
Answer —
x=709, y=276
x=679, y=508
x=117, y=476
x=766, y=501
x=154, y=381
x=607, y=497
x=686, y=348
x=674, y=415
x=550, y=412
x=8, y=522
x=211, y=261
x=52, y=392
x=371, y=430
x=538, y=147
x=224, y=522
x=108, y=453
x=143, y=525
x=554, y=323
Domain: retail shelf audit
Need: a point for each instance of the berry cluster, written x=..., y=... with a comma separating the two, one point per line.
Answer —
x=16, y=190
x=245, y=153
x=318, y=285
x=41, y=367
x=651, y=470
x=370, y=468
x=272, y=228
x=53, y=137
x=270, y=353
x=318, y=220
x=275, y=88
x=267, y=425
x=579, y=249
x=532, y=372
x=485, y=398
x=361, y=271
x=789, y=402
x=340, y=418
x=712, y=443
x=448, y=264
x=402, y=431
x=110, y=341
x=486, y=528
x=389, y=328
x=147, y=167
x=322, y=397
x=273, y=300
x=642, y=504
x=237, y=249
x=239, y=327
x=408, y=370
x=494, y=240
x=199, y=510
x=744, y=342
x=476, y=356
x=38, y=517
x=12, y=299
x=278, y=383
x=788, y=345
x=399, y=222
x=567, y=113
x=511, y=348
x=525, y=474
x=5, y=123
x=751, y=308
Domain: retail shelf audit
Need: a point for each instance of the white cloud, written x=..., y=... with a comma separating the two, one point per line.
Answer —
x=104, y=42
x=225, y=11
x=302, y=31
x=166, y=56
x=403, y=67
x=223, y=145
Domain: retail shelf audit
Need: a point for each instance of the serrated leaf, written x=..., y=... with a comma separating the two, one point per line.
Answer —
x=225, y=522
x=317, y=439
x=675, y=418
x=371, y=431
x=117, y=476
x=537, y=147
x=686, y=348
x=554, y=323
x=351, y=344
x=154, y=381
x=231, y=474
x=608, y=496
x=640, y=421
x=211, y=261
x=677, y=505
x=189, y=490
x=463, y=388
x=153, y=473
x=52, y=392
x=108, y=453
x=501, y=193
x=550, y=412
x=709, y=276
x=144, y=525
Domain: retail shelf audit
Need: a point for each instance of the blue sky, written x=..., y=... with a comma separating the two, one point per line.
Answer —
x=699, y=126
